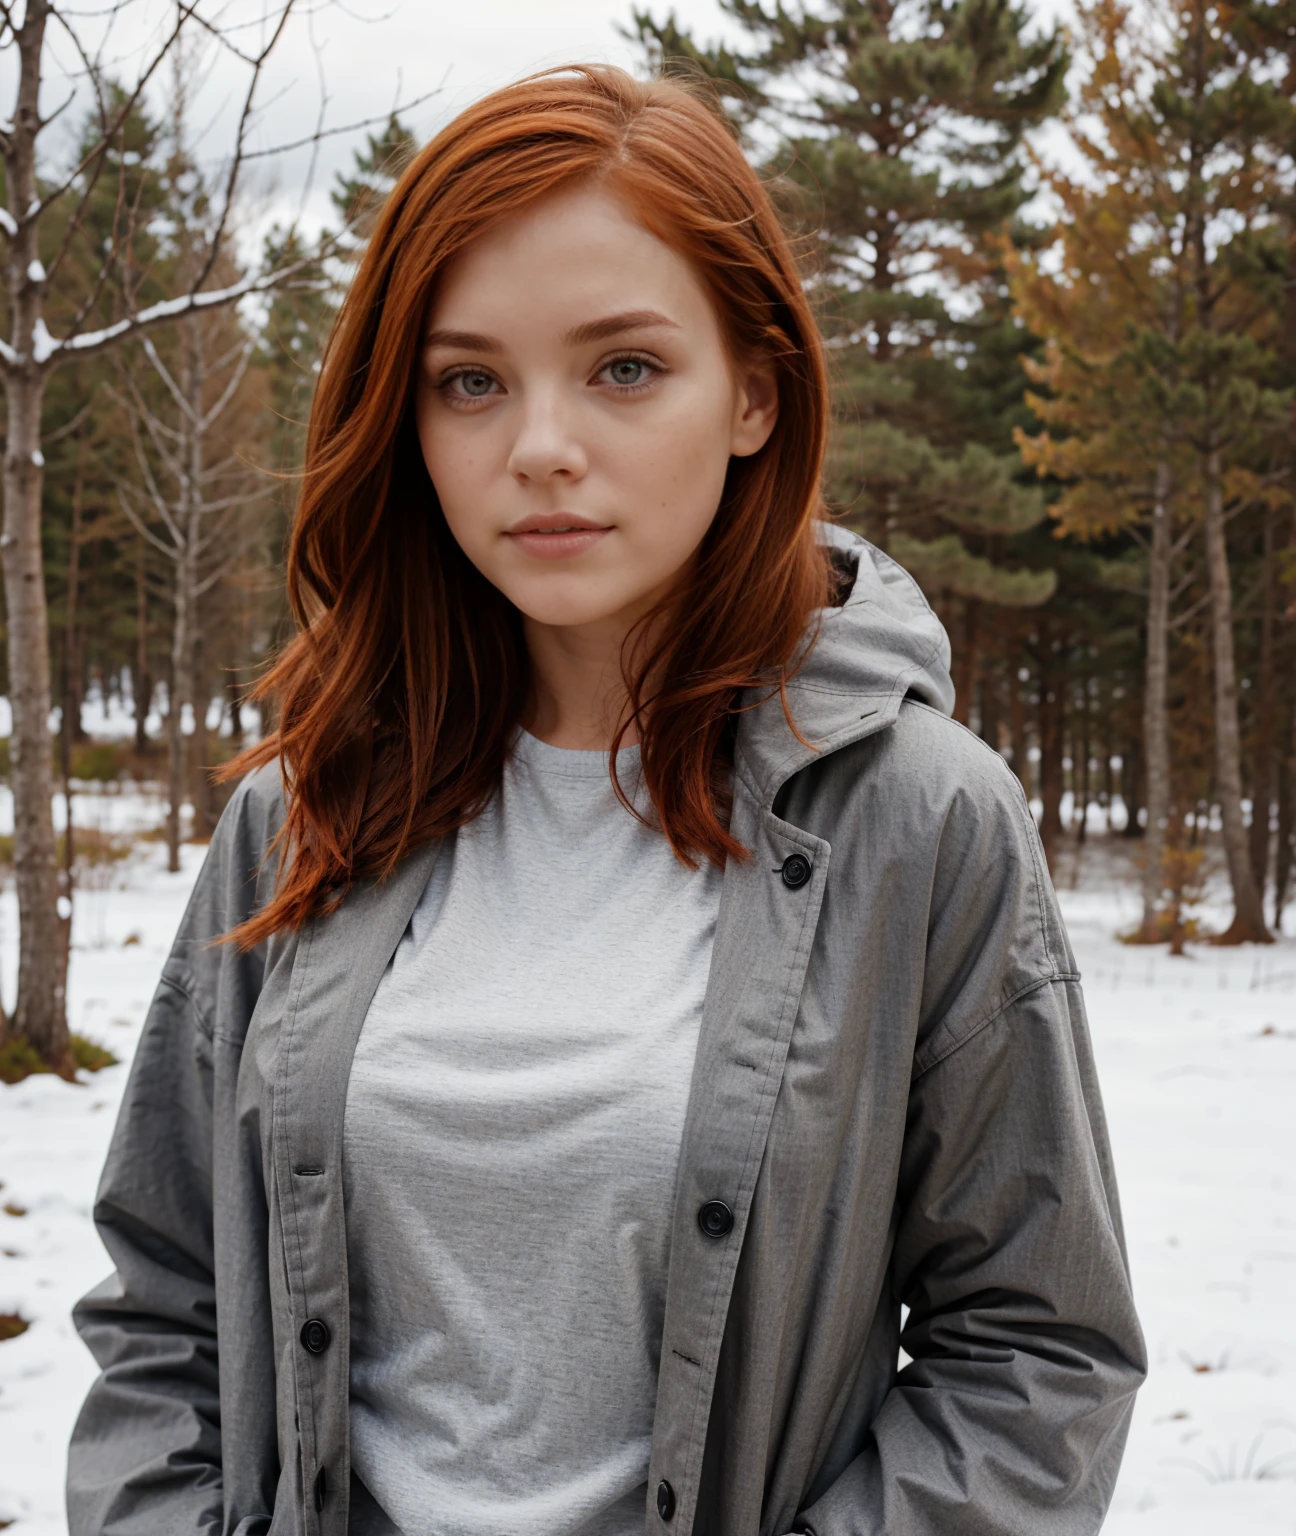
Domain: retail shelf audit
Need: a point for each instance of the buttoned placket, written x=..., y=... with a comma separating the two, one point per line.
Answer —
x=339, y=964
x=764, y=933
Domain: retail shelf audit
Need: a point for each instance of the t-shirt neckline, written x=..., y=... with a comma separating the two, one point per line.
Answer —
x=573, y=762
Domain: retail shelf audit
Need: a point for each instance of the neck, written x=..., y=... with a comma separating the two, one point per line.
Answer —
x=577, y=691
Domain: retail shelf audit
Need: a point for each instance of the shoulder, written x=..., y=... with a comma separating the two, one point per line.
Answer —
x=241, y=866
x=253, y=816
x=928, y=779
x=925, y=817
x=955, y=774
x=258, y=797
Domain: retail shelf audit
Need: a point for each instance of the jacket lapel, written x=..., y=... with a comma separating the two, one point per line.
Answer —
x=339, y=965
x=764, y=933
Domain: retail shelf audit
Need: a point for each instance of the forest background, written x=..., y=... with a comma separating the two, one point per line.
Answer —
x=1064, y=389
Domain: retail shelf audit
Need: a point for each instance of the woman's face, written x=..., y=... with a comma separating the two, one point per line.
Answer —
x=577, y=409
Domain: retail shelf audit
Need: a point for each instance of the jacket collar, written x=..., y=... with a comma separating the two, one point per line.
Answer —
x=881, y=645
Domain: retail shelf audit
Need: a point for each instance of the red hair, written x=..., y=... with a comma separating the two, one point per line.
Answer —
x=400, y=692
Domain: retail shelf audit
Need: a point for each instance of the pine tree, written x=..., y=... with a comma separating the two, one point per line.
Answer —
x=901, y=133
x=358, y=198
x=1162, y=369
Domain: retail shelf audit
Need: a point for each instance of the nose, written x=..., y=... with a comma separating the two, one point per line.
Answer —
x=547, y=446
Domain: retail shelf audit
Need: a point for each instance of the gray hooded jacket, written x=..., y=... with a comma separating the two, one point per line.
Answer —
x=893, y=1093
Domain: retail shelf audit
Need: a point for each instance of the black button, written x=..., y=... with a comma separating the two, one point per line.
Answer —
x=665, y=1499
x=315, y=1335
x=321, y=1488
x=796, y=870
x=715, y=1218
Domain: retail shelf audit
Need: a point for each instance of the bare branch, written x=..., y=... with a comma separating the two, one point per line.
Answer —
x=95, y=77
x=328, y=133
x=184, y=11
x=135, y=414
x=48, y=350
x=236, y=378
x=48, y=439
x=152, y=493
x=141, y=527
x=239, y=154
x=235, y=499
x=164, y=373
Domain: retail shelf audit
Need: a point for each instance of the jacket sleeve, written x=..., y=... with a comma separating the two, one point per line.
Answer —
x=1024, y=1344
x=146, y=1449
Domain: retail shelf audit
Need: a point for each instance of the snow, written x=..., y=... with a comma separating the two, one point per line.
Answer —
x=1197, y=1059
x=43, y=344
x=110, y=718
x=36, y=272
x=170, y=309
x=7, y=222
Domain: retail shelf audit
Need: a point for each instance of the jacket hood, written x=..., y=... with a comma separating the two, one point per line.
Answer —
x=882, y=645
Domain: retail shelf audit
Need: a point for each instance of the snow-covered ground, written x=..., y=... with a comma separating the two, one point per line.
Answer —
x=1198, y=1064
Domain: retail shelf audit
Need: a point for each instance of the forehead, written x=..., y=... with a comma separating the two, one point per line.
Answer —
x=574, y=255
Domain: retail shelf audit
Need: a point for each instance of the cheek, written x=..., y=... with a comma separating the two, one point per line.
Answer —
x=673, y=475
x=454, y=466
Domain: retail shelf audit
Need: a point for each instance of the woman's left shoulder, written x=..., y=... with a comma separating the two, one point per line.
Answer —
x=927, y=819
x=950, y=764
x=930, y=784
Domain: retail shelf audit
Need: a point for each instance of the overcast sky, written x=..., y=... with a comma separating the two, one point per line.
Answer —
x=369, y=54
x=463, y=47
x=364, y=55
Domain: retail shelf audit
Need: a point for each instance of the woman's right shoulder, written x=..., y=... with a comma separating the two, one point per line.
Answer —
x=259, y=801
x=242, y=864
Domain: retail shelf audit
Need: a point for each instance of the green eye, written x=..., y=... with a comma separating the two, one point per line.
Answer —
x=476, y=384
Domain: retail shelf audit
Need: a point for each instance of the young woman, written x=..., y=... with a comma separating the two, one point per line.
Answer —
x=636, y=991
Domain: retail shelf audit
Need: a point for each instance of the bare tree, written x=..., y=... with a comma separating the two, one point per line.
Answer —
x=44, y=211
x=194, y=488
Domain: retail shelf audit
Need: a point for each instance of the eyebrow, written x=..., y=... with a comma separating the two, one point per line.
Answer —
x=616, y=325
x=579, y=335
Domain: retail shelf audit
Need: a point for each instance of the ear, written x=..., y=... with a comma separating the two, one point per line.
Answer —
x=755, y=409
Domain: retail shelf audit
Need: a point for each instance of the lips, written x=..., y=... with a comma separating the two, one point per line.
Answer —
x=557, y=535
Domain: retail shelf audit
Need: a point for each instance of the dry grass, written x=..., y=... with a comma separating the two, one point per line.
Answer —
x=18, y=1059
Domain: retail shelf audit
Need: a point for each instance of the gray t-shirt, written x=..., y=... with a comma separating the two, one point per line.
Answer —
x=512, y=1132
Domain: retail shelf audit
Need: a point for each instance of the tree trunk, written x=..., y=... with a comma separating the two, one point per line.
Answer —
x=990, y=702
x=181, y=693
x=200, y=786
x=1156, y=725
x=965, y=662
x=142, y=680
x=1080, y=766
x=71, y=715
x=1265, y=705
x=1017, y=725
x=184, y=635
x=1132, y=789
x=1285, y=861
x=234, y=694
x=1248, y=915
x=1050, y=740
x=40, y=1014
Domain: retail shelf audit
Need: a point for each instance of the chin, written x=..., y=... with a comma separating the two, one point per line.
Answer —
x=569, y=615
x=566, y=605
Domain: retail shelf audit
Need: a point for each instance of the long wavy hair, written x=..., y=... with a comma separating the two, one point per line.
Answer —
x=401, y=690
